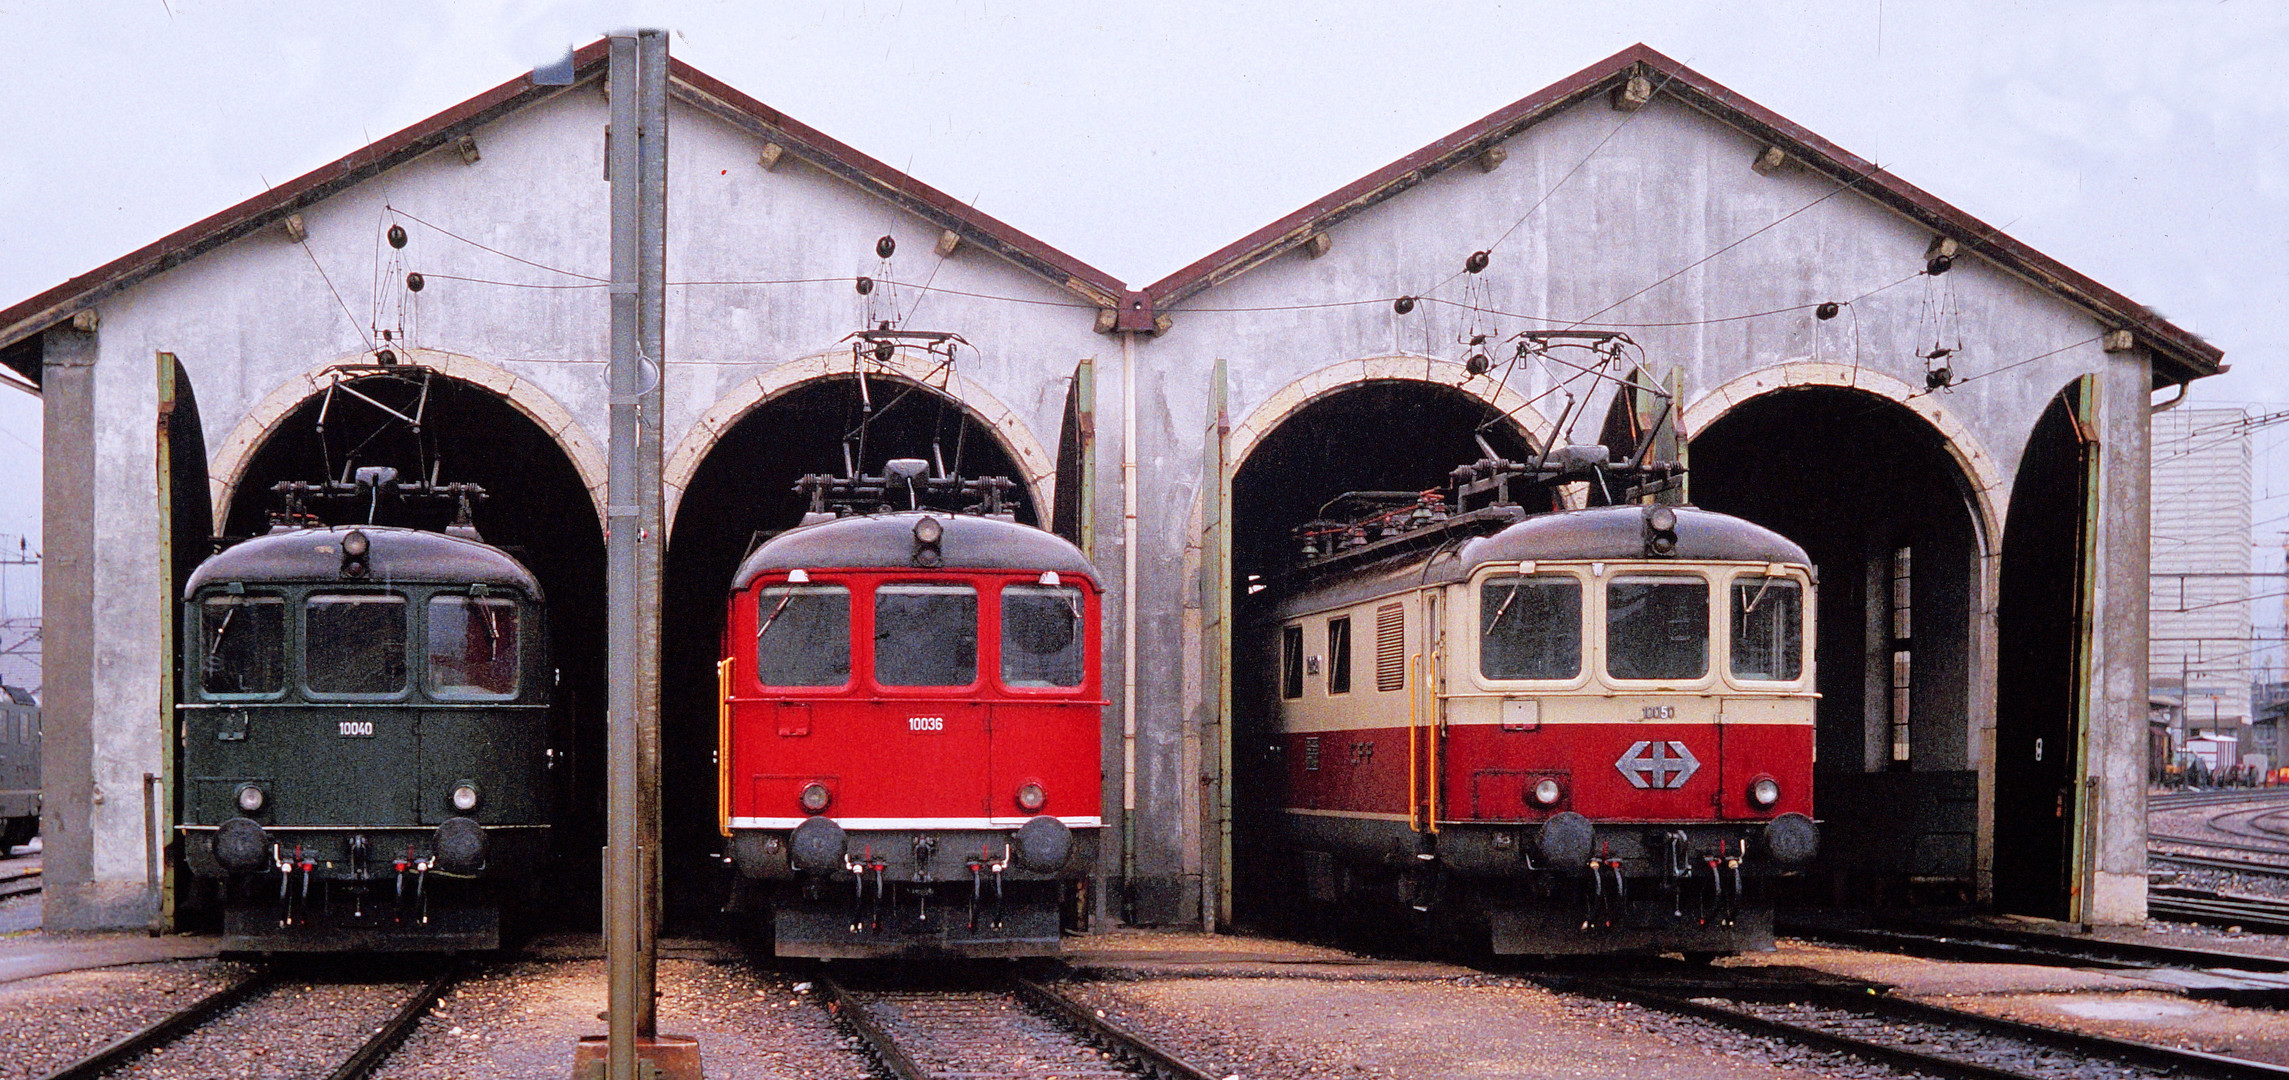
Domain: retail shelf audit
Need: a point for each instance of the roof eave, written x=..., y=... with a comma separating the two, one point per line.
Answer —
x=2178, y=354
x=252, y=215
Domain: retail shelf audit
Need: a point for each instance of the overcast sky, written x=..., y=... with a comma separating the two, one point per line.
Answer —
x=2141, y=143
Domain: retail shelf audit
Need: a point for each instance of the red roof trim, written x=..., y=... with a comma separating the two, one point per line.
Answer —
x=80, y=293
x=2172, y=343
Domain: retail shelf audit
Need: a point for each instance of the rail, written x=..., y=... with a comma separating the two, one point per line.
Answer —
x=1067, y=1039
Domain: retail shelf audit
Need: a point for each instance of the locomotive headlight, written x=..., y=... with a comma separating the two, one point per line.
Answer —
x=1031, y=797
x=1546, y=792
x=815, y=797
x=1764, y=792
x=464, y=796
x=1660, y=531
x=250, y=798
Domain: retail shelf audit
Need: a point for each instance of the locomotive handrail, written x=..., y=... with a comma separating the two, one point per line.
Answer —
x=723, y=746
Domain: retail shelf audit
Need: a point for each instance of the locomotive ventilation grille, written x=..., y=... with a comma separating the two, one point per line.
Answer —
x=1390, y=648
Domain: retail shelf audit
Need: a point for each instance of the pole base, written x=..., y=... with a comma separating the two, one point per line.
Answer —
x=662, y=1057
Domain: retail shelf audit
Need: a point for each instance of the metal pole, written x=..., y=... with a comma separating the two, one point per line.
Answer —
x=622, y=519
x=651, y=322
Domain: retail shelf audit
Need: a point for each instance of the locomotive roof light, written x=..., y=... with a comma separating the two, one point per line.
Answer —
x=465, y=796
x=251, y=798
x=1546, y=792
x=1660, y=531
x=355, y=547
x=927, y=534
x=815, y=797
x=1764, y=791
x=798, y=577
x=1049, y=577
x=1032, y=797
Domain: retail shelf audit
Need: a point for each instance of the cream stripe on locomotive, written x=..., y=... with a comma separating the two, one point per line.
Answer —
x=1530, y=712
x=857, y=824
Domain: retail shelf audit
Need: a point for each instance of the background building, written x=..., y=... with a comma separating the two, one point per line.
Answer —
x=2200, y=647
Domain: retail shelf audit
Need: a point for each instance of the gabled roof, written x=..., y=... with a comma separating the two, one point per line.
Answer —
x=686, y=83
x=2178, y=354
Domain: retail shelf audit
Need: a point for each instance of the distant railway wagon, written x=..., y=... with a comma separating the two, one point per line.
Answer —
x=19, y=768
x=911, y=724
x=365, y=738
x=1574, y=731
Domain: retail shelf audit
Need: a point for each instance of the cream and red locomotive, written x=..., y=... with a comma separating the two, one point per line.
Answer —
x=910, y=724
x=1573, y=731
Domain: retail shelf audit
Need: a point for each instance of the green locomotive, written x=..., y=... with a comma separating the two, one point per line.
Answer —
x=365, y=738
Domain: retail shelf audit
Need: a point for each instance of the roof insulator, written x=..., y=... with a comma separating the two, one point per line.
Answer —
x=397, y=236
x=885, y=247
x=1476, y=262
x=865, y=285
x=1403, y=304
x=1940, y=256
x=414, y=281
x=1827, y=310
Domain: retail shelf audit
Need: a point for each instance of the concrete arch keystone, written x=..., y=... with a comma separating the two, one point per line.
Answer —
x=1038, y=466
x=1978, y=466
x=247, y=437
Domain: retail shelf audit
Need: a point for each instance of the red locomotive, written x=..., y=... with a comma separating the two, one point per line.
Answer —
x=1572, y=732
x=910, y=724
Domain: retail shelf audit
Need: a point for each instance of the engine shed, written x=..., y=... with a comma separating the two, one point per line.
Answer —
x=1951, y=424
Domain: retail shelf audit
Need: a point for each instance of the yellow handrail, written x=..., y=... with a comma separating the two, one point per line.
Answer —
x=1414, y=764
x=1431, y=740
x=723, y=745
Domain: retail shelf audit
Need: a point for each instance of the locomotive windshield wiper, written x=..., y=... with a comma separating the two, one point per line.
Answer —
x=1505, y=606
x=1758, y=598
x=221, y=628
x=774, y=616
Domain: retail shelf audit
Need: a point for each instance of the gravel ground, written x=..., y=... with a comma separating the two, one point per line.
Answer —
x=54, y=1020
x=299, y=1030
x=521, y=1020
x=1482, y=1026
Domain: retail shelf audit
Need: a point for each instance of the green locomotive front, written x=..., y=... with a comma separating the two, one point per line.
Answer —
x=365, y=739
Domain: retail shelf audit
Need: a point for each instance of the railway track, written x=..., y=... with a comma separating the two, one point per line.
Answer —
x=152, y=1047
x=1929, y=1039
x=19, y=883
x=1020, y=1029
x=1978, y=944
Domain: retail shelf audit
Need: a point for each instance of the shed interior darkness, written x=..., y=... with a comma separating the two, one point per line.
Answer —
x=1856, y=480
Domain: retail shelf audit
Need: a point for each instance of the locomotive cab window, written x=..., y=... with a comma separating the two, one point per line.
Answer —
x=354, y=643
x=802, y=635
x=242, y=642
x=1768, y=629
x=925, y=635
x=1657, y=627
x=1291, y=661
x=1339, y=655
x=472, y=647
x=1041, y=638
x=1530, y=627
